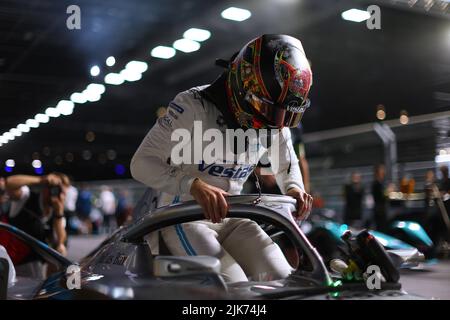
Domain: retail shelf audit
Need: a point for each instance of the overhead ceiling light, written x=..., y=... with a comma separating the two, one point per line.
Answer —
x=8, y=136
x=42, y=118
x=137, y=66
x=32, y=123
x=93, y=92
x=23, y=127
x=163, y=52
x=66, y=111
x=96, y=88
x=10, y=163
x=131, y=76
x=186, y=45
x=110, y=61
x=3, y=140
x=36, y=164
x=355, y=15
x=236, y=14
x=95, y=71
x=52, y=112
x=78, y=97
x=15, y=132
x=114, y=78
x=92, y=96
x=197, y=34
x=65, y=107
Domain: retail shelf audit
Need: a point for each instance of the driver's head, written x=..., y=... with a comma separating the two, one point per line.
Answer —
x=268, y=83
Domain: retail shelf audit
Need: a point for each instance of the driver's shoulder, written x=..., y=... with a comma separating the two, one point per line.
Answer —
x=192, y=101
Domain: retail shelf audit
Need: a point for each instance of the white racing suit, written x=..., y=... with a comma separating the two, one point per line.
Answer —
x=244, y=249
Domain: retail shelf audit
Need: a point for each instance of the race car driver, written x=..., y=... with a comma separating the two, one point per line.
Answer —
x=265, y=85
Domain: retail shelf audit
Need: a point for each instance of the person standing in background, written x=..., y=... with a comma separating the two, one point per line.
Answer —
x=37, y=207
x=429, y=187
x=108, y=208
x=379, y=198
x=353, y=194
x=70, y=206
x=84, y=208
x=71, y=199
x=444, y=182
x=432, y=220
x=123, y=210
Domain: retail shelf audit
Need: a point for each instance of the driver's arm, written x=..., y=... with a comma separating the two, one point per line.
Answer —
x=284, y=163
x=287, y=172
x=304, y=168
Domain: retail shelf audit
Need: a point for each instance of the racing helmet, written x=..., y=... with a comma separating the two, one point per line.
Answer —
x=268, y=83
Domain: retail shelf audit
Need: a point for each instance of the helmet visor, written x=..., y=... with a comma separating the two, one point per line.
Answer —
x=288, y=115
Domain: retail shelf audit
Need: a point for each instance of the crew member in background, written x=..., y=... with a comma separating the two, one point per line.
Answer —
x=353, y=194
x=429, y=188
x=70, y=207
x=432, y=221
x=108, y=208
x=380, y=198
x=123, y=209
x=84, y=208
x=37, y=207
x=444, y=182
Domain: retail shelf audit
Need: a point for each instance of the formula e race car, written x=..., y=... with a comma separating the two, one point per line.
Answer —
x=123, y=266
x=326, y=235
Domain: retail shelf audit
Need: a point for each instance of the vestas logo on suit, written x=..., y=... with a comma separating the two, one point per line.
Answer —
x=194, y=145
x=218, y=170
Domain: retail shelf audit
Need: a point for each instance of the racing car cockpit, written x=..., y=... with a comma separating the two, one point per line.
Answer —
x=124, y=267
x=268, y=210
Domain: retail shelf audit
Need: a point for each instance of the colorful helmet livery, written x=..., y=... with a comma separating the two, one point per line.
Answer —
x=268, y=83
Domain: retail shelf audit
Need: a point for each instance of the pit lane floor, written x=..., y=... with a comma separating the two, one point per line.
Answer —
x=432, y=280
x=80, y=246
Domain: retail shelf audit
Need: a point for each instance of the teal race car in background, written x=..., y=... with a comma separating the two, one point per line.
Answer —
x=325, y=234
